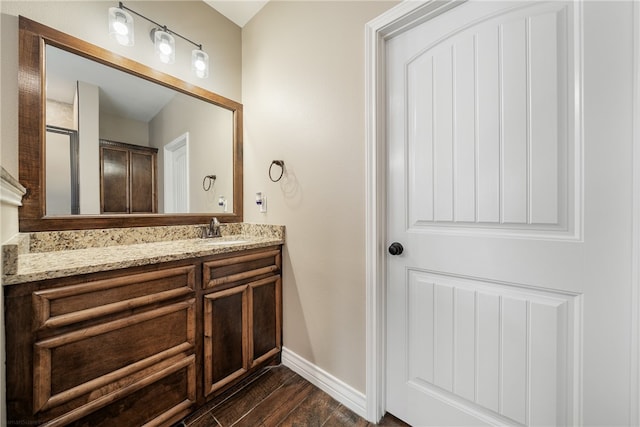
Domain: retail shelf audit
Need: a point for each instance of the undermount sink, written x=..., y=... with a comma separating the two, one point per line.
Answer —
x=216, y=242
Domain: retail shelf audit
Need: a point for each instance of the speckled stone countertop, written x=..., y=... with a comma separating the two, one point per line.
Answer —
x=40, y=256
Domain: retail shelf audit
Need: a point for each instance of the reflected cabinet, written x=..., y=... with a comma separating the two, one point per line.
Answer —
x=128, y=178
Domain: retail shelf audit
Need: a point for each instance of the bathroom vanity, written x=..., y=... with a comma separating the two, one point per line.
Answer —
x=131, y=334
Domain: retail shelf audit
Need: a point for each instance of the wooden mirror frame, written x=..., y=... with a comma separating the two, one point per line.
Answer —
x=33, y=38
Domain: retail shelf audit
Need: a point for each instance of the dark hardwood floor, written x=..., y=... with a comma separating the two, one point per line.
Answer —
x=278, y=396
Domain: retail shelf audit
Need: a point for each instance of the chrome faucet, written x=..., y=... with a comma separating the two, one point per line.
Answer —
x=213, y=230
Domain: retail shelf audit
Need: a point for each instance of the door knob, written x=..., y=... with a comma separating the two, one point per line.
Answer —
x=395, y=248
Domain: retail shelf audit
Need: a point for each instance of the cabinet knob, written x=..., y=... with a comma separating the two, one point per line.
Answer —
x=396, y=248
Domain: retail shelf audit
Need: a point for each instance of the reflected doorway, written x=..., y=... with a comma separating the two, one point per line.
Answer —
x=63, y=195
x=176, y=175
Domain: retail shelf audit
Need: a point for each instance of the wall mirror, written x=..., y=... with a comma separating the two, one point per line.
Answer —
x=107, y=142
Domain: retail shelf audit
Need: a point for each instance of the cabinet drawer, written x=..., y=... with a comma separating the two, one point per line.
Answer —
x=157, y=400
x=76, y=303
x=160, y=401
x=241, y=269
x=88, y=369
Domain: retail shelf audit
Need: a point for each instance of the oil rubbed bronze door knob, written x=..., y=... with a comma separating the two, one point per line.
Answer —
x=396, y=248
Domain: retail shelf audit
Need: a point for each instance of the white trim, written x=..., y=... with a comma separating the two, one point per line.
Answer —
x=10, y=192
x=634, y=368
x=398, y=19
x=340, y=391
x=374, y=225
x=10, y=195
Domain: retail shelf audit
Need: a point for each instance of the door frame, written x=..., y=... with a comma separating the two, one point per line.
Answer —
x=168, y=153
x=74, y=155
x=396, y=20
x=634, y=415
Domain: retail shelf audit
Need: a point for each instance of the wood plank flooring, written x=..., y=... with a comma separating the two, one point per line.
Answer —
x=278, y=396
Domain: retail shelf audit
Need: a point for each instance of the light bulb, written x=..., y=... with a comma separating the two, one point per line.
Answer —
x=165, y=48
x=120, y=27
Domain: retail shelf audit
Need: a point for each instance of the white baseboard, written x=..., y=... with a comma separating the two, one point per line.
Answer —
x=340, y=391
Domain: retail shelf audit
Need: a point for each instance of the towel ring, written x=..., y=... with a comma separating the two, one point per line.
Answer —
x=277, y=163
x=206, y=185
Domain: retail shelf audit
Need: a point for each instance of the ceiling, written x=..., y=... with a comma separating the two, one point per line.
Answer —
x=238, y=11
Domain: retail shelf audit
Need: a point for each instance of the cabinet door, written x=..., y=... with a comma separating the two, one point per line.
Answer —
x=143, y=186
x=265, y=302
x=225, y=337
x=114, y=182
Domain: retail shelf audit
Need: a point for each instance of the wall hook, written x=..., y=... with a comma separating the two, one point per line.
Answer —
x=277, y=163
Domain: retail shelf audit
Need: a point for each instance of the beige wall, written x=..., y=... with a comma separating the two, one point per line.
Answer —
x=303, y=96
x=123, y=129
x=60, y=114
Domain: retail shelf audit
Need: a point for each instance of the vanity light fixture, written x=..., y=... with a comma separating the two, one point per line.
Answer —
x=200, y=63
x=121, y=28
x=164, y=45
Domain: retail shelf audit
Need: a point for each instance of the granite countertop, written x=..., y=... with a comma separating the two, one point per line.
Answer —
x=33, y=266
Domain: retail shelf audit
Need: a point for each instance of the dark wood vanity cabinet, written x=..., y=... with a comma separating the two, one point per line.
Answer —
x=140, y=345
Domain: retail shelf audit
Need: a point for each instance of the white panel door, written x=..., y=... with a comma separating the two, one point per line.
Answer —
x=508, y=305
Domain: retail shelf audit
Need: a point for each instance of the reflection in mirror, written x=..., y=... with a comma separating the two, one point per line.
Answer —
x=87, y=102
x=177, y=139
x=62, y=171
